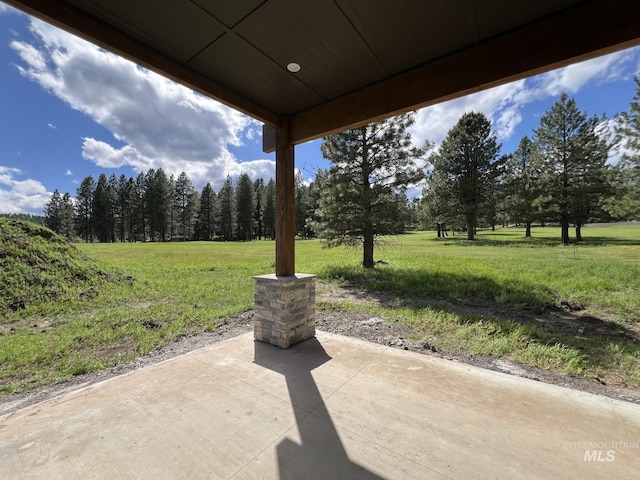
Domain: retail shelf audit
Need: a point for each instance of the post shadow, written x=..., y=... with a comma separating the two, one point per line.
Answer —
x=321, y=454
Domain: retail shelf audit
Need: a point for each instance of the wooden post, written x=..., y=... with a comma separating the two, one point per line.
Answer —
x=285, y=202
x=284, y=301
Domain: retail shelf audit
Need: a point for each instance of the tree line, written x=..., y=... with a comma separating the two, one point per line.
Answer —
x=558, y=175
x=157, y=207
x=26, y=217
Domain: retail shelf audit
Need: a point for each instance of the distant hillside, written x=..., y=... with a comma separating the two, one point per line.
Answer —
x=37, y=266
x=27, y=217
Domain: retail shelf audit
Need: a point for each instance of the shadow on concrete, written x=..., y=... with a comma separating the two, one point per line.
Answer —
x=321, y=454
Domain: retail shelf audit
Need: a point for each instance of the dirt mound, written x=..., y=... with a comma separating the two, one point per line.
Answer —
x=39, y=266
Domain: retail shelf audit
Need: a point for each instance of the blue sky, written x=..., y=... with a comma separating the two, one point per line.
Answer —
x=69, y=109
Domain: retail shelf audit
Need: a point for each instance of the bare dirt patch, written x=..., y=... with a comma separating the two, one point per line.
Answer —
x=372, y=329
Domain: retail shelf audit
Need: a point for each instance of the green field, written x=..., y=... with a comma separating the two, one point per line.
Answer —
x=502, y=295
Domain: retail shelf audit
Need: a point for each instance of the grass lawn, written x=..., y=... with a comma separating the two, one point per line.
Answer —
x=502, y=295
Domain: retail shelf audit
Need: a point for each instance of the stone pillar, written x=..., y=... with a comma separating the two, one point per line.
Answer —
x=285, y=309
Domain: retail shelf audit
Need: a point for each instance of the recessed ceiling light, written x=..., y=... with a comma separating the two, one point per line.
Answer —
x=293, y=67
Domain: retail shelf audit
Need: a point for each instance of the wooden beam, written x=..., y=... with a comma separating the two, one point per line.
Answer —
x=285, y=202
x=269, y=138
x=72, y=20
x=589, y=29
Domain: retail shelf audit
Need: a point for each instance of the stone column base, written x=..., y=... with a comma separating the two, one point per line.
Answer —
x=285, y=309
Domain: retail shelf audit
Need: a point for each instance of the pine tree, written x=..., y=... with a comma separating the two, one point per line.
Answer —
x=244, y=208
x=302, y=205
x=493, y=208
x=140, y=208
x=438, y=209
x=67, y=213
x=625, y=203
x=572, y=159
x=84, y=208
x=158, y=194
x=269, y=212
x=103, y=208
x=313, y=202
x=53, y=212
x=124, y=203
x=185, y=204
x=226, y=200
x=206, y=221
x=463, y=170
x=520, y=185
x=172, y=210
x=258, y=190
x=370, y=164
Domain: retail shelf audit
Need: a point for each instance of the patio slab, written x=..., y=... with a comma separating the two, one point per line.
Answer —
x=330, y=407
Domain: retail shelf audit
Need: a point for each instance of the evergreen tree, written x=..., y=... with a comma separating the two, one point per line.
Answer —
x=185, y=204
x=463, y=172
x=131, y=190
x=151, y=204
x=437, y=209
x=625, y=203
x=158, y=204
x=370, y=165
x=53, y=212
x=123, y=206
x=227, y=209
x=244, y=208
x=103, y=207
x=206, y=222
x=192, y=212
x=67, y=212
x=591, y=177
x=572, y=159
x=520, y=185
x=313, y=202
x=302, y=201
x=493, y=209
x=258, y=190
x=269, y=212
x=172, y=210
x=403, y=219
x=27, y=217
x=84, y=208
x=140, y=208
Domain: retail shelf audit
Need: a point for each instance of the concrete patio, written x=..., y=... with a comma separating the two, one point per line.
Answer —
x=331, y=407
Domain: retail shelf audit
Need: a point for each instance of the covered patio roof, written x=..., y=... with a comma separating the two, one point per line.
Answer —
x=359, y=61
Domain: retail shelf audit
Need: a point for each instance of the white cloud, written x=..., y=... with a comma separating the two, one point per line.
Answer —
x=4, y=8
x=433, y=123
x=104, y=155
x=20, y=196
x=253, y=133
x=52, y=126
x=607, y=130
x=155, y=122
x=30, y=55
x=503, y=104
x=68, y=172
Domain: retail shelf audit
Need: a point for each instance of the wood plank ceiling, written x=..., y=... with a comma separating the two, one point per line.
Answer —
x=361, y=60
